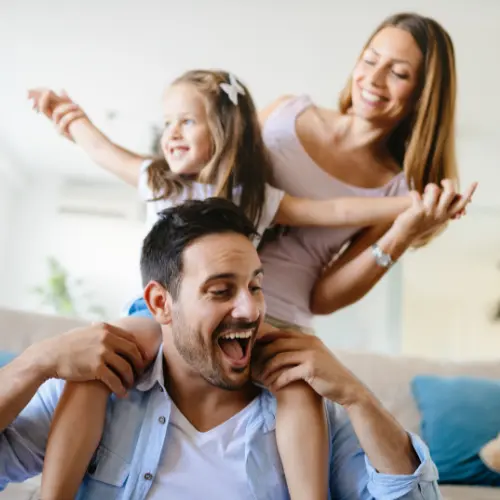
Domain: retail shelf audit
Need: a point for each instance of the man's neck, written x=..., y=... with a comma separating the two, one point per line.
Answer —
x=203, y=404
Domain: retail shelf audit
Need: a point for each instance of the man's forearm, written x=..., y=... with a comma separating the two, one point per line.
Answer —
x=385, y=442
x=19, y=381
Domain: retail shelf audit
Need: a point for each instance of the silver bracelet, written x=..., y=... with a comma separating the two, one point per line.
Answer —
x=381, y=258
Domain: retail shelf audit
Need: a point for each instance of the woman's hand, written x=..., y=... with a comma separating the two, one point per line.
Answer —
x=60, y=109
x=430, y=212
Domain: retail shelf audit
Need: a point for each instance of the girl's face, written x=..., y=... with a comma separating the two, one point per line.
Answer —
x=386, y=78
x=186, y=141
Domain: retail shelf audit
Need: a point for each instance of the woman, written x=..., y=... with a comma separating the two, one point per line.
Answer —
x=394, y=128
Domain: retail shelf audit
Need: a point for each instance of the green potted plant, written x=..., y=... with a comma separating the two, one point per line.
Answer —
x=59, y=292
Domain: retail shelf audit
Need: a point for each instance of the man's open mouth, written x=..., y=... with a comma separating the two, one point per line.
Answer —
x=235, y=345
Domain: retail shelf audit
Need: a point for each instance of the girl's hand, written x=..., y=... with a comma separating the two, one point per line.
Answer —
x=60, y=109
x=285, y=357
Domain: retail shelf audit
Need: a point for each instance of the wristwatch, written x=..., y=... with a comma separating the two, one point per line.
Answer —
x=381, y=258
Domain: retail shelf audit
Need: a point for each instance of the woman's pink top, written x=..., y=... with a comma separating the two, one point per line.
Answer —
x=294, y=262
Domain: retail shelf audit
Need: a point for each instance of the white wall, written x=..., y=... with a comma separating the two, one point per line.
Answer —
x=10, y=185
x=373, y=323
x=6, y=200
x=103, y=252
x=451, y=286
x=451, y=289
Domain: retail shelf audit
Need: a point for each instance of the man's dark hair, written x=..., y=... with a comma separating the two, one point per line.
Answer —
x=178, y=227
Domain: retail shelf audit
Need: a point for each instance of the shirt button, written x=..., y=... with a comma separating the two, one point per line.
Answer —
x=148, y=476
x=161, y=388
x=162, y=420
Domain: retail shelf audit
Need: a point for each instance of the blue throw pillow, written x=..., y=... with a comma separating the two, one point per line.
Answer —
x=459, y=416
x=6, y=357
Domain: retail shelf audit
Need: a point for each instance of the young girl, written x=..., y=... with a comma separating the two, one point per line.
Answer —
x=212, y=146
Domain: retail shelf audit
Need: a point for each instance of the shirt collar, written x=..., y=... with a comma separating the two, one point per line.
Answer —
x=154, y=374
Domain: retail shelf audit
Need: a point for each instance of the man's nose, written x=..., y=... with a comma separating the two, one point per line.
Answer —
x=247, y=307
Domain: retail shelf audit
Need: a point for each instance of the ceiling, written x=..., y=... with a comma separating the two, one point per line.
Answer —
x=115, y=56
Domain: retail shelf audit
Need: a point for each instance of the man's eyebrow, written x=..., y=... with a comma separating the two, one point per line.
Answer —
x=220, y=276
x=229, y=276
x=258, y=271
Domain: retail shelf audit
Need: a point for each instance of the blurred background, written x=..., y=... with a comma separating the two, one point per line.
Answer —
x=70, y=234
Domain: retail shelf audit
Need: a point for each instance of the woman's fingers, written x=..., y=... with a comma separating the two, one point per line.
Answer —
x=458, y=208
x=431, y=198
x=448, y=196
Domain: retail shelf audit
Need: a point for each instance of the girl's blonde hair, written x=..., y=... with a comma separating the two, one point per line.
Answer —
x=424, y=142
x=239, y=158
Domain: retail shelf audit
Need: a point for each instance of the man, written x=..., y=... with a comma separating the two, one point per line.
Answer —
x=203, y=280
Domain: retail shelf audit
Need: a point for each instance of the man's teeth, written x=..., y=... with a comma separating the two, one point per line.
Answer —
x=370, y=97
x=239, y=335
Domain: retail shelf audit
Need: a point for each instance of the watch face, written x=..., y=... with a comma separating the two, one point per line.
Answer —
x=382, y=258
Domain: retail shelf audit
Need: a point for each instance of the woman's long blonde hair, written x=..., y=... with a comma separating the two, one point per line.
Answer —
x=424, y=142
x=239, y=157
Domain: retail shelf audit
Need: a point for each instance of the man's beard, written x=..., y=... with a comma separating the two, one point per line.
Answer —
x=201, y=357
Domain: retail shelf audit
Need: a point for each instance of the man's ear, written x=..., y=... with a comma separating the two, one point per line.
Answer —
x=159, y=302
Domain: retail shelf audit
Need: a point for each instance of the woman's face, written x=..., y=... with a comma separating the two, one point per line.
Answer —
x=386, y=78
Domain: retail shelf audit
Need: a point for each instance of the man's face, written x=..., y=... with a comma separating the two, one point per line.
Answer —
x=219, y=308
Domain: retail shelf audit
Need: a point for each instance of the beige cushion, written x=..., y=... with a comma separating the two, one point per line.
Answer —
x=29, y=490
x=19, y=329
x=469, y=493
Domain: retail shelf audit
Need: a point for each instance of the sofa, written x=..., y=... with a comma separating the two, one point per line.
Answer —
x=388, y=377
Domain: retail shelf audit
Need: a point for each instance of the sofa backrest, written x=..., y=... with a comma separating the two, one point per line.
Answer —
x=19, y=329
x=389, y=378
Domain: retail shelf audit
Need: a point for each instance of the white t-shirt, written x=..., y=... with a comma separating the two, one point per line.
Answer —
x=208, y=465
x=200, y=191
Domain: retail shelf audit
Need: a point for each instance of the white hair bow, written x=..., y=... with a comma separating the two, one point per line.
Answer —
x=232, y=89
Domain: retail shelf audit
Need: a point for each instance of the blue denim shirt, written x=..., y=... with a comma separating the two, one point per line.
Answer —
x=125, y=464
